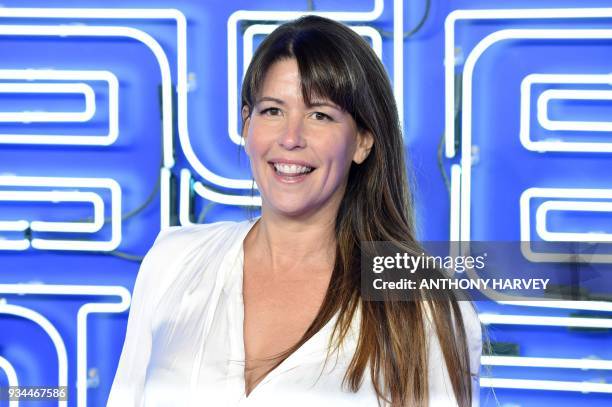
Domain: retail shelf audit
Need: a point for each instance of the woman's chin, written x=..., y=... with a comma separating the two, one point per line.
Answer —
x=290, y=209
x=292, y=212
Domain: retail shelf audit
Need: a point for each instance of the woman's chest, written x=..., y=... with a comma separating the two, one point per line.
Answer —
x=276, y=317
x=278, y=309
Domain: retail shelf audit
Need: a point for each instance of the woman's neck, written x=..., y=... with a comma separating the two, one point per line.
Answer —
x=290, y=245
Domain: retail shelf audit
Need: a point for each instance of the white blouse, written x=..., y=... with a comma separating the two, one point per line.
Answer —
x=184, y=342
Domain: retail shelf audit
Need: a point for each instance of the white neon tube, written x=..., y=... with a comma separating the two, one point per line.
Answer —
x=14, y=225
x=558, y=193
x=164, y=193
x=571, y=94
x=240, y=200
x=15, y=245
x=555, y=385
x=581, y=305
x=455, y=183
x=554, y=363
x=69, y=182
x=60, y=196
x=11, y=376
x=581, y=206
x=45, y=116
x=82, y=315
x=525, y=108
x=398, y=58
x=574, y=322
x=74, y=139
x=184, y=197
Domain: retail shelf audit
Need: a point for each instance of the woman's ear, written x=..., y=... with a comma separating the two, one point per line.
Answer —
x=246, y=119
x=365, y=141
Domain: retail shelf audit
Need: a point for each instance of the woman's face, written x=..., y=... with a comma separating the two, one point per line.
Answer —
x=300, y=155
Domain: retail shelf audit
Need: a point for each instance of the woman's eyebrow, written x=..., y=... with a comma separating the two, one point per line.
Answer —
x=310, y=105
x=269, y=99
x=329, y=104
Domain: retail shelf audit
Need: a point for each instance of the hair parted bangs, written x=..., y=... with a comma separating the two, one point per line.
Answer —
x=327, y=70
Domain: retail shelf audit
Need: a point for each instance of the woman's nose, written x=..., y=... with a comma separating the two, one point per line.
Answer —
x=292, y=135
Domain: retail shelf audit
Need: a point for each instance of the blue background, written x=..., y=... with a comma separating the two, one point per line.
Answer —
x=503, y=170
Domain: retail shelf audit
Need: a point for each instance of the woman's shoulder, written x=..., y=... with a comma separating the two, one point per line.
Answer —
x=178, y=241
x=181, y=250
x=181, y=258
x=178, y=236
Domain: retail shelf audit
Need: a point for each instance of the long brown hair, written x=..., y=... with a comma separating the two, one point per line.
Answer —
x=336, y=63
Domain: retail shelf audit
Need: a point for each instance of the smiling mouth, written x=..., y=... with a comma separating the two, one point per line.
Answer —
x=291, y=170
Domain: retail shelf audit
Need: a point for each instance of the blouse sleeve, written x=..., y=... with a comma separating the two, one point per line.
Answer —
x=128, y=385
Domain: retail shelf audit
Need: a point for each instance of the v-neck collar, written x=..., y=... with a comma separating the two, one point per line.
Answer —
x=315, y=345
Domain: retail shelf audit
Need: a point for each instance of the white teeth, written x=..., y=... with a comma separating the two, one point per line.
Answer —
x=291, y=168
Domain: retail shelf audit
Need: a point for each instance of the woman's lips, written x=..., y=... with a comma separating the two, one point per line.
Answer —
x=290, y=178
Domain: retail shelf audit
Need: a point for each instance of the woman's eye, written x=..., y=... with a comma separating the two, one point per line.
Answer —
x=271, y=111
x=321, y=116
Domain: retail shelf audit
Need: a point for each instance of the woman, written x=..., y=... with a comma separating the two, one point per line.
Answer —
x=268, y=312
